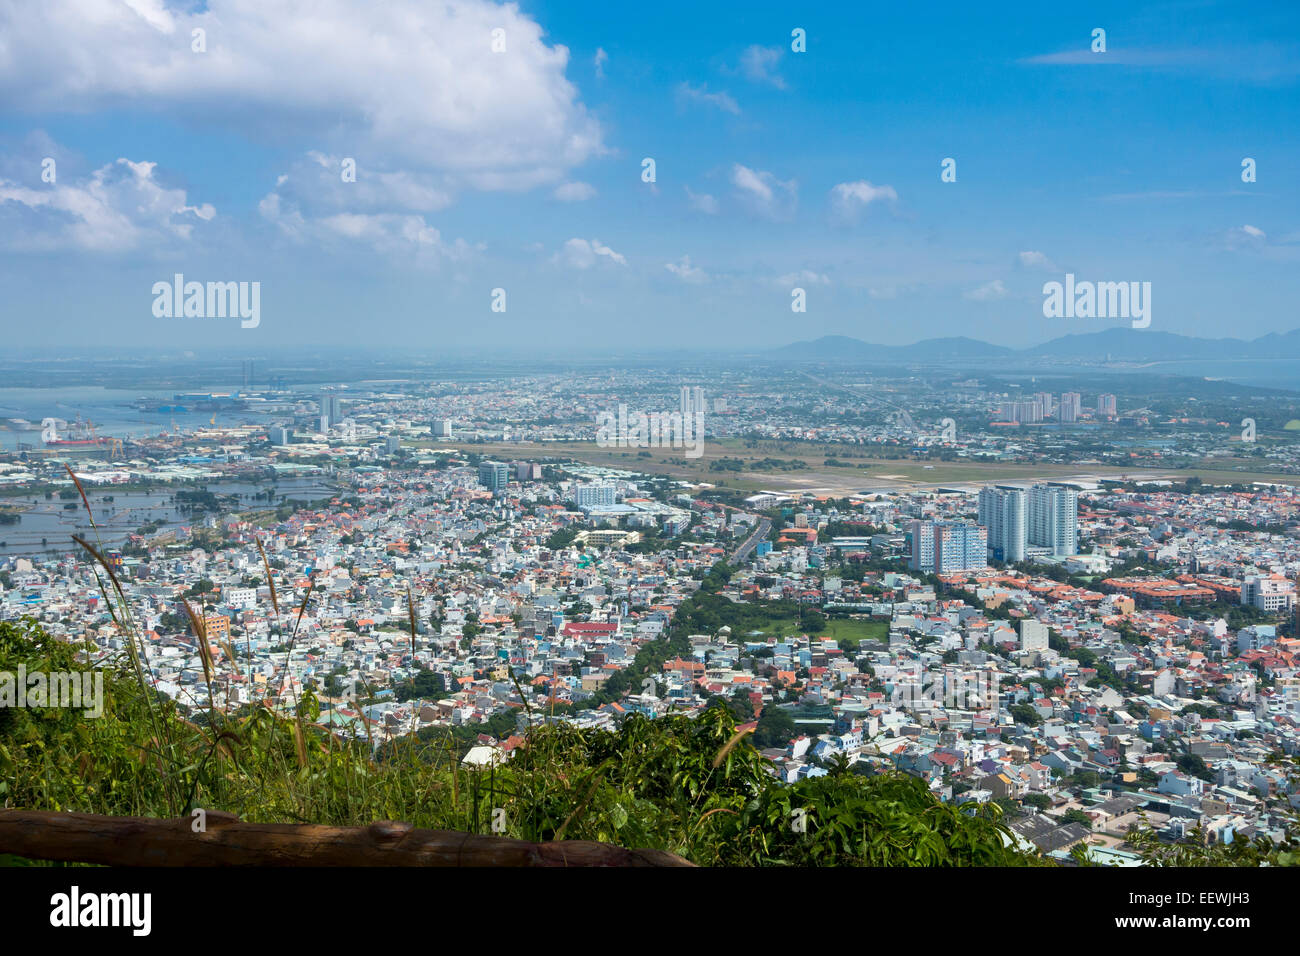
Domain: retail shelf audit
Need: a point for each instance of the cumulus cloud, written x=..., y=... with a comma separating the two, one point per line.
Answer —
x=850, y=200
x=119, y=207
x=1032, y=259
x=758, y=64
x=574, y=192
x=387, y=233
x=690, y=94
x=599, y=61
x=988, y=292
x=375, y=207
x=382, y=229
x=318, y=179
x=585, y=253
x=764, y=193
x=702, y=202
x=153, y=13
x=424, y=88
x=687, y=272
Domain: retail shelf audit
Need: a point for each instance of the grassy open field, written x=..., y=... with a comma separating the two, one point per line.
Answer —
x=853, y=631
x=861, y=474
x=848, y=631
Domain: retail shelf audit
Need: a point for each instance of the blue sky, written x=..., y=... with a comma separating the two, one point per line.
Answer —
x=521, y=169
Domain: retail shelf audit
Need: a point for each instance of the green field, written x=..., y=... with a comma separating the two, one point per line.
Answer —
x=848, y=631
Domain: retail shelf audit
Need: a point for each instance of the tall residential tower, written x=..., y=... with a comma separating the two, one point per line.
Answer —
x=1003, y=513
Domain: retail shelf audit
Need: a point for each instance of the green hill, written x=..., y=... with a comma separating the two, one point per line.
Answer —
x=690, y=786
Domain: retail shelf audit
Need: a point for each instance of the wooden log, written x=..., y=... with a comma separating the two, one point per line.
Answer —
x=146, y=841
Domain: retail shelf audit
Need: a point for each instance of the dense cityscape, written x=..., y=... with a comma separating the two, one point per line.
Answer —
x=1089, y=649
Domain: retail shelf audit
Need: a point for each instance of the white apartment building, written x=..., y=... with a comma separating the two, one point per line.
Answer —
x=1272, y=593
x=239, y=597
x=1002, y=512
x=1033, y=635
x=1054, y=518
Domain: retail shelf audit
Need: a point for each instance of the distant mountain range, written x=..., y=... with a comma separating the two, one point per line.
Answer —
x=1117, y=345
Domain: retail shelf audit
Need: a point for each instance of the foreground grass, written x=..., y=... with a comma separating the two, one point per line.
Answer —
x=690, y=786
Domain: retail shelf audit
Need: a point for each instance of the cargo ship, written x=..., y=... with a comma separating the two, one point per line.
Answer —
x=79, y=434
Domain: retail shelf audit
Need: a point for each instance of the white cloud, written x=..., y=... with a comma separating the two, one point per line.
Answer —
x=764, y=193
x=1032, y=259
x=988, y=292
x=317, y=180
x=381, y=229
x=120, y=207
x=1266, y=61
x=599, y=61
x=574, y=192
x=687, y=272
x=411, y=81
x=754, y=183
x=153, y=13
x=803, y=277
x=380, y=209
x=1246, y=237
x=312, y=202
x=688, y=93
x=702, y=202
x=386, y=233
x=1084, y=56
x=585, y=253
x=758, y=63
x=849, y=200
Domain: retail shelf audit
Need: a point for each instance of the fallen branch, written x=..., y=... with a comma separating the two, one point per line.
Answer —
x=145, y=841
